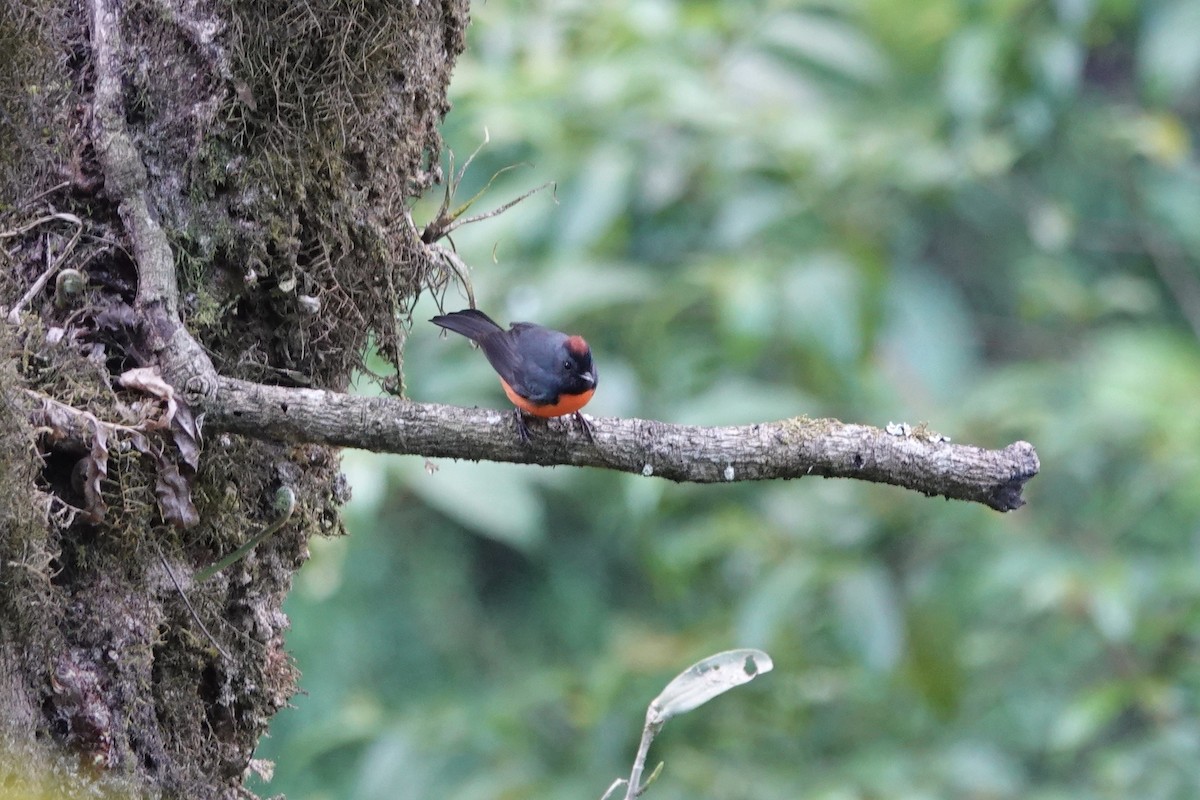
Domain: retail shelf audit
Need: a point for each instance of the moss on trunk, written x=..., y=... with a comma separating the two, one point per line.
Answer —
x=282, y=144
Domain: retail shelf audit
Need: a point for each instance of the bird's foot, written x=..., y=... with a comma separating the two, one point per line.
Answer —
x=587, y=426
x=522, y=426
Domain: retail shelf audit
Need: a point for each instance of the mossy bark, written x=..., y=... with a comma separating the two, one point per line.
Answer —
x=279, y=146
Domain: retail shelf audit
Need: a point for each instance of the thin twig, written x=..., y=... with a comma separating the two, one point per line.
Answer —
x=617, y=784
x=188, y=603
x=14, y=315
x=458, y=223
x=27, y=202
x=449, y=258
x=61, y=215
x=634, y=788
x=446, y=221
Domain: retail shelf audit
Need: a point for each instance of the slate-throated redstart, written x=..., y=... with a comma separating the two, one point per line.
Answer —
x=544, y=373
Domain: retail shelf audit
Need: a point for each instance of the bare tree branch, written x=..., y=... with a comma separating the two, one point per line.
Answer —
x=790, y=448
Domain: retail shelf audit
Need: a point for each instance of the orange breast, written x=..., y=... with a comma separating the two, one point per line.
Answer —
x=566, y=404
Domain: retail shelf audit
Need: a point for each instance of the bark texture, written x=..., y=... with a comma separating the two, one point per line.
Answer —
x=187, y=187
x=916, y=459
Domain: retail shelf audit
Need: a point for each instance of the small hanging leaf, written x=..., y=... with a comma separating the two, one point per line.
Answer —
x=184, y=426
x=706, y=679
x=185, y=430
x=174, y=493
x=174, y=485
x=172, y=489
x=95, y=469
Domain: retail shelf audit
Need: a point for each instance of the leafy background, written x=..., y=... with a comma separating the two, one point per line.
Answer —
x=984, y=215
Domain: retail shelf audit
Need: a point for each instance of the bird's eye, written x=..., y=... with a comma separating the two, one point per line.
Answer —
x=567, y=365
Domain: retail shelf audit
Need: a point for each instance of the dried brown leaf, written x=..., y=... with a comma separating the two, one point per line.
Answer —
x=185, y=430
x=95, y=470
x=172, y=487
x=174, y=492
x=141, y=443
x=148, y=379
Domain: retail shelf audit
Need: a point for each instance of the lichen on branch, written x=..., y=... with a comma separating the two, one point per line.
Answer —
x=792, y=448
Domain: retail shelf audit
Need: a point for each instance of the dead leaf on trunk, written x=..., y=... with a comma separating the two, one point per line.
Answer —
x=95, y=469
x=185, y=429
x=148, y=380
x=172, y=490
x=174, y=484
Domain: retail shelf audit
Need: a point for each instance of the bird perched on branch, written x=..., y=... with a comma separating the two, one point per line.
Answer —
x=545, y=373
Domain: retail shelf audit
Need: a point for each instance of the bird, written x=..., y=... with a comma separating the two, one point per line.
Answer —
x=545, y=373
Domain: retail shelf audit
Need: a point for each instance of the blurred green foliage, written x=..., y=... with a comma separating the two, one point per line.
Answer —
x=984, y=215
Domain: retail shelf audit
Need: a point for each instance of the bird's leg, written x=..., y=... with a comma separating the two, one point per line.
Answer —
x=587, y=426
x=522, y=426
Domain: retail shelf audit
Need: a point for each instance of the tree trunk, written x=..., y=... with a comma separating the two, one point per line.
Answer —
x=185, y=184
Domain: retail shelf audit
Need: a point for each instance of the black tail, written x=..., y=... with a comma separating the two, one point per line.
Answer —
x=470, y=322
